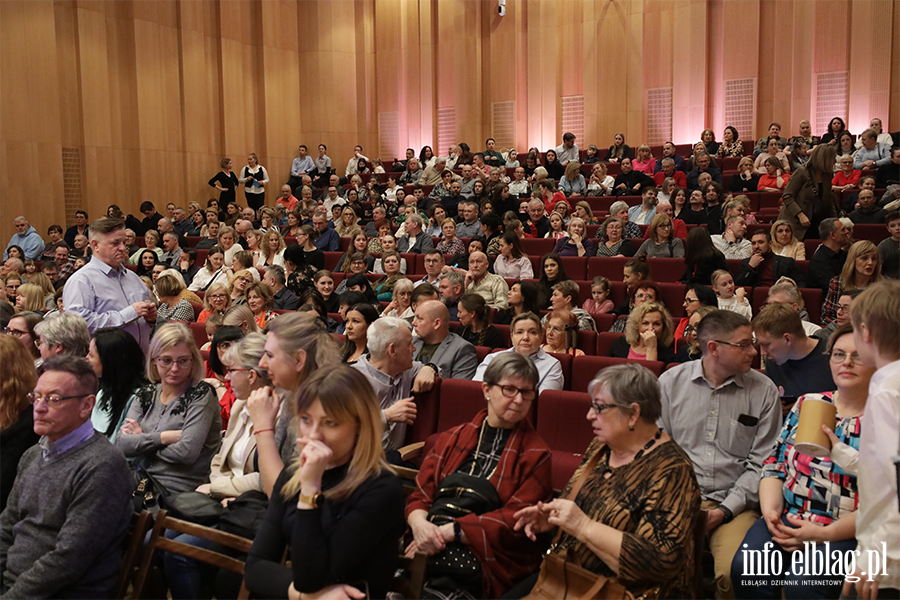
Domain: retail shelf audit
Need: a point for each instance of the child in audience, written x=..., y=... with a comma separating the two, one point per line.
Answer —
x=890, y=246
x=599, y=302
x=730, y=298
x=30, y=268
x=212, y=324
x=876, y=320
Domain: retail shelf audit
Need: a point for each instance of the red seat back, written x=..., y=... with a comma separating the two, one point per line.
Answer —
x=427, y=410
x=585, y=368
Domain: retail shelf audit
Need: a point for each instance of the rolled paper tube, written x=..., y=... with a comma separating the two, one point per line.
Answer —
x=810, y=438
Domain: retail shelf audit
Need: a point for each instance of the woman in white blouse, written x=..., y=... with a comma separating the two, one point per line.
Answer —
x=271, y=250
x=228, y=245
x=512, y=262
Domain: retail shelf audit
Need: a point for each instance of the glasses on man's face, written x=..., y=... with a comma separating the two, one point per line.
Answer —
x=742, y=345
x=839, y=356
x=166, y=362
x=510, y=391
x=52, y=400
x=17, y=333
x=599, y=408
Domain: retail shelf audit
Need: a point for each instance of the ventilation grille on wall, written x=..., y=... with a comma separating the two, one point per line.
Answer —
x=388, y=135
x=446, y=118
x=572, y=120
x=831, y=98
x=740, y=106
x=71, y=163
x=503, y=123
x=659, y=115
x=880, y=83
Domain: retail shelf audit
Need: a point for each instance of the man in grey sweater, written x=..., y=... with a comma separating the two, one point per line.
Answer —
x=61, y=533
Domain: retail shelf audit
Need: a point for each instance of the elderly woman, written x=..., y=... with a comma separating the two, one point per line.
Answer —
x=172, y=428
x=575, y=243
x=565, y=297
x=217, y=300
x=862, y=268
x=561, y=333
x=617, y=517
x=526, y=333
x=792, y=515
x=648, y=335
x=611, y=241
x=475, y=479
x=661, y=242
x=784, y=243
x=619, y=210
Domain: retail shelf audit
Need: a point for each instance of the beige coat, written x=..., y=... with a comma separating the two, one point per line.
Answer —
x=223, y=482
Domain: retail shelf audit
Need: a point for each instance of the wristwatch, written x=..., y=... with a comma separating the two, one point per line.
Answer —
x=727, y=512
x=315, y=500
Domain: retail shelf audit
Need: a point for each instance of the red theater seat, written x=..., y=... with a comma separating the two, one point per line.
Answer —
x=585, y=368
x=561, y=423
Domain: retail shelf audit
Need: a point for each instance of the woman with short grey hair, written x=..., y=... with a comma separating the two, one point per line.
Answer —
x=65, y=333
x=632, y=517
x=477, y=476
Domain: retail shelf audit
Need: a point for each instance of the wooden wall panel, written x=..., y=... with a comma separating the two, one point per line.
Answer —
x=153, y=93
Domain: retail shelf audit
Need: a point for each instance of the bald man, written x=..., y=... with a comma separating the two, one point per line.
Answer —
x=489, y=286
x=435, y=344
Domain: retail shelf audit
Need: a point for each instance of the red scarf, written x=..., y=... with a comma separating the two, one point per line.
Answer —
x=522, y=478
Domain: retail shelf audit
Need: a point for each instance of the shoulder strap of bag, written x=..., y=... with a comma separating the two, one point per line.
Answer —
x=576, y=487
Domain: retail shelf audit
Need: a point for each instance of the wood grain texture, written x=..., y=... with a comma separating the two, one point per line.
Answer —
x=153, y=93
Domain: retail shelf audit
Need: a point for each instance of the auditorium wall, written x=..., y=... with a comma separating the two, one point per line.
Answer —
x=121, y=101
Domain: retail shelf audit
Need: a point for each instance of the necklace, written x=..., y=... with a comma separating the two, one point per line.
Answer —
x=647, y=446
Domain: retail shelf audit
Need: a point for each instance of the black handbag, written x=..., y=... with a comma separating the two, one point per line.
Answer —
x=148, y=493
x=457, y=565
x=195, y=507
x=244, y=515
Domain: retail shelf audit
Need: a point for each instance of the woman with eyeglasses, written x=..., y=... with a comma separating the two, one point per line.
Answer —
x=477, y=476
x=223, y=339
x=526, y=333
x=617, y=517
x=172, y=429
x=21, y=327
x=17, y=379
x=810, y=499
x=217, y=300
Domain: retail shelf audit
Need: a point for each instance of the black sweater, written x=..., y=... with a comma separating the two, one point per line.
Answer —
x=14, y=441
x=620, y=347
x=354, y=542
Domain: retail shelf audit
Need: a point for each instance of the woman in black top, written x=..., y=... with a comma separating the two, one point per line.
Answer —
x=745, y=180
x=555, y=170
x=619, y=150
x=552, y=272
x=314, y=256
x=473, y=316
x=835, y=128
x=522, y=298
x=16, y=414
x=701, y=258
x=339, y=507
x=225, y=181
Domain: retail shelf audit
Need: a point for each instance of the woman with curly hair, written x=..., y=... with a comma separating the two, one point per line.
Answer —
x=649, y=335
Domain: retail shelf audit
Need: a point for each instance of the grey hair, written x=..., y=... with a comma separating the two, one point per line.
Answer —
x=176, y=274
x=617, y=206
x=511, y=365
x=414, y=218
x=787, y=288
x=277, y=274
x=68, y=330
x=630, y=384
x=76, y=366
x=541, y=173
x=667, y=160
x=453, y=277
x=247, y=352
x=384, y=332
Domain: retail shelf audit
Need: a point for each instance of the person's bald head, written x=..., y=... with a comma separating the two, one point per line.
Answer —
x=665, y=208
x=432, y=321
x=478, y=263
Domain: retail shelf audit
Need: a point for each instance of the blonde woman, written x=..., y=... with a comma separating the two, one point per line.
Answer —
x=227, y=242
x=348, y=223
x=400, y=301
x=173, y=426
x=862, y=268
x=216, y=300
x=784, y=243
x=271, y=250
x=649, y=335
x=644, y=162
